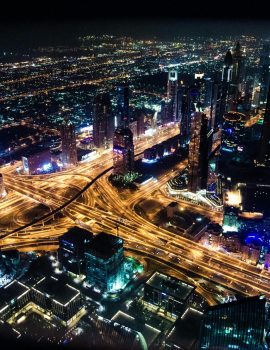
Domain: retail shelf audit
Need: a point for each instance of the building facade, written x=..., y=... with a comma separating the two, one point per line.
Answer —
x=236, y=325
x=103, y=122
x=104, y=262
x=198, y=153
x=69, y=149
x=123, y=151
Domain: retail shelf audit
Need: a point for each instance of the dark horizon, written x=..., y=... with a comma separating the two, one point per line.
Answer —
x=50, y=32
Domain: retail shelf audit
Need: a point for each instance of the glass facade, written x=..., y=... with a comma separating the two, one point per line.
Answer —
x=237, y=325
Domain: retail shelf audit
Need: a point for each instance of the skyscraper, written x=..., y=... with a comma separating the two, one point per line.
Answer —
x=238, y=73
x=122, y=105
x=123, y=151
x=233, y=133
x=172, y=93
x=198, y=153
x=103, y=123
x=236, y=325
x=226, y=80
x=68, y=137
x=189, y=102
x=264, y=150
x=264, y=73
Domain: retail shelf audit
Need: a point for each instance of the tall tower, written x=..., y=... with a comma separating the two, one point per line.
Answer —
x=3, y=192
x=123, y=151
x=172, y=93
x=264, y=71
x=264, y=151
x=68, y=138
x=238, y=74
x=122, y=105
x=226, y=80
x=102, y=121
x=198, y=153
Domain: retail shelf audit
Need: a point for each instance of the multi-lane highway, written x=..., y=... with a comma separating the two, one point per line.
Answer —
x=102, y=207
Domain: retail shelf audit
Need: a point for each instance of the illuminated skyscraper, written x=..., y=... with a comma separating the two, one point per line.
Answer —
x=2, y=187
x=189, y=102
x=233, y=133
x=103, y=124
x=226, y=80
x=236, y=325
x=264, y=71
x=264, y=150
x=68, y=138
x=238, y=73
x=123, y=106
x=123, y=151
x=198, y=152
x=172, y=93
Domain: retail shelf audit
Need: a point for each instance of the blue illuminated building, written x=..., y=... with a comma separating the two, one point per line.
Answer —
x=237, y=325
x=233, y=132
x=104, y=262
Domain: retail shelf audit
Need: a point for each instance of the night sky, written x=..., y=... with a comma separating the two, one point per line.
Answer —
x=61, y=22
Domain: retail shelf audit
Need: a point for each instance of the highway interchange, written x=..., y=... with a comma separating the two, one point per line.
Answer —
x=100, y=207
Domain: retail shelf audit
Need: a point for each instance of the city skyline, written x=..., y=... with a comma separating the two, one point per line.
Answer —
x=134, y=187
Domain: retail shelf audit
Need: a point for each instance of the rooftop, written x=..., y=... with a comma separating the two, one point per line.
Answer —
x=59, y=291
x=76, y=235
x=186, y=331
x=170, y=285
x=12, y=291
x=104, y=245
x=149, y=333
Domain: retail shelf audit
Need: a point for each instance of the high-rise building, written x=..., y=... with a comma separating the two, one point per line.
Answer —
x=172, y=88
x=72, y=246
x=264, y=150
x=238, y=73
x=104, y=258
x=236, y=325
x=123, y=151
x=189, y=102
x=264, y=71
x=226, y=80
x=2, y=187
x=166, y=112
x=198, y=153
x=103, y=123
x=233, y=132
x=122, y=105
x=68, y=138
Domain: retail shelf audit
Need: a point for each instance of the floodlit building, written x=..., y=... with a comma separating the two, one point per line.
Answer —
x=168, y=293
x=198, y=153
x=63, y=300
x=104, y=262
x=13, y=297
